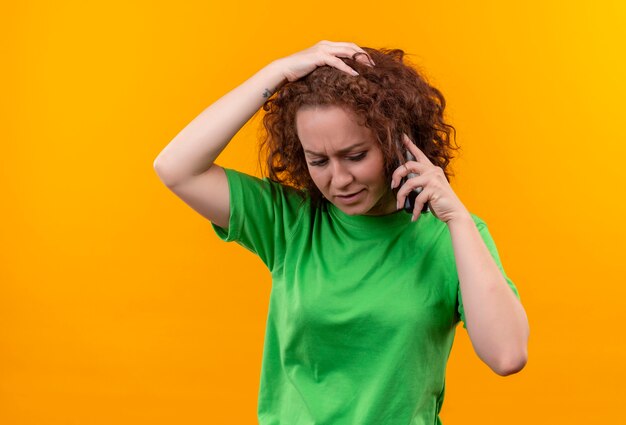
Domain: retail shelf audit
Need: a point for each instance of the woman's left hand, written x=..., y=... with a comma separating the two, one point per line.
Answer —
x=436, y=190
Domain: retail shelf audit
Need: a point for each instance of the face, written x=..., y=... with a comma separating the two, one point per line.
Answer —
x=344, y=159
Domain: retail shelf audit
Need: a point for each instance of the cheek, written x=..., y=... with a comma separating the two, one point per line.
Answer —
x=317, y=177
x=372, y=170
x=375, y=173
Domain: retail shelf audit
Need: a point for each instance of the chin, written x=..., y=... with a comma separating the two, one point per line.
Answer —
x=351, y=209
x=356, y=209
x=362, y=208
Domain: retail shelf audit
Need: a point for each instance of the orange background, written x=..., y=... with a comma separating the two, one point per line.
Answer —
x=119, y=305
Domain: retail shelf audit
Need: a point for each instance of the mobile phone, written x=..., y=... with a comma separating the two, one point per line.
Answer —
x=409, y=202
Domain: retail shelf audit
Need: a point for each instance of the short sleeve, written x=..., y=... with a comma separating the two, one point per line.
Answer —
x=484, y=232
x=263, y=216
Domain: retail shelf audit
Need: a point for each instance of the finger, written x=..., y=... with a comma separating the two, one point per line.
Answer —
x=349, y=50
x=401, y=196
x=416, y=183
x=363, y=55
x=420, y=201
x=334, y=52
x=339, y=64
x=365, y=59
x=406, y=169
x=354, y=46
x=417, y=152
x=398, y=174
x=399, y=202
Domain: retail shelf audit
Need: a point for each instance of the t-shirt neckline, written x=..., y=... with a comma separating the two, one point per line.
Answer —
x=396, y=218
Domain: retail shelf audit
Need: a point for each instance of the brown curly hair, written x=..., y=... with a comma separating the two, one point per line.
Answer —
x=389, y=98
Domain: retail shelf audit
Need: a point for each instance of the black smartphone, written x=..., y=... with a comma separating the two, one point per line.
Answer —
x=409, y=202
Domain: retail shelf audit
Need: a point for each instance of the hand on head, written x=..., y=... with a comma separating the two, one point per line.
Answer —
x=322, y=53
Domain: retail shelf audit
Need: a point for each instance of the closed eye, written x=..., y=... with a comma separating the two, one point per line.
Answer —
x=358, y=157
x=351, y=158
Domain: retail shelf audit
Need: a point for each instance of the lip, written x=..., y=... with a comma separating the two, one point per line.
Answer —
x=350, y=199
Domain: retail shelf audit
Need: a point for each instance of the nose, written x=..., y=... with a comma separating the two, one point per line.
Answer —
x=341, y=177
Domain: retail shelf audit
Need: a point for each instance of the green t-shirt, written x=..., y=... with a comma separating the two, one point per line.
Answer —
x=362, y=312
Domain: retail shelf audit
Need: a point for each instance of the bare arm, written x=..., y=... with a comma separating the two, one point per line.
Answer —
x=495, y=319
x=186, y=165
x=194, y=150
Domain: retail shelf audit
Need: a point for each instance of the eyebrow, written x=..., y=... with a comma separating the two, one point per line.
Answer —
x=349, y=148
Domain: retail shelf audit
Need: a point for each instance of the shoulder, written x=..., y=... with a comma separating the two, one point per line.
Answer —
x=264, y=189
x=261, y=182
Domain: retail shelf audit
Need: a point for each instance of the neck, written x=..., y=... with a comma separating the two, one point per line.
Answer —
x=386, y=205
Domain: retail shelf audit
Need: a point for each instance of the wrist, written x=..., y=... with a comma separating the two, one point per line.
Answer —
x=275, y=69
x=460, y=217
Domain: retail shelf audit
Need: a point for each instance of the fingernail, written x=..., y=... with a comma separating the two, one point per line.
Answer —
x=354, y=72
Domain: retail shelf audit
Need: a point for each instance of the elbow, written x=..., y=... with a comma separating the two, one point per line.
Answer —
x=511, y=365
x=515, y=358
x=162, y=173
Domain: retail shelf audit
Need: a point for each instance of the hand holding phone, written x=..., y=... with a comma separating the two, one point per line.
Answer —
x=409, y=202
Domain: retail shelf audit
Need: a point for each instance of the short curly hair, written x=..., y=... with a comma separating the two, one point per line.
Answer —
x=389, y=98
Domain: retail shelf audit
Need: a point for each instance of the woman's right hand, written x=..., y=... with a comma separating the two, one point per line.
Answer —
x=322, y=53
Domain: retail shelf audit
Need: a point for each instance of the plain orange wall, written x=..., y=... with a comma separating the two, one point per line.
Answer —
x=119, y=305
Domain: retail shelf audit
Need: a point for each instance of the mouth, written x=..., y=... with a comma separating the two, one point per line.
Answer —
x=350, y=198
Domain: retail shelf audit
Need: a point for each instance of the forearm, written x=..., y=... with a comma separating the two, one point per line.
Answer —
x=196, y=147
x=495, y=319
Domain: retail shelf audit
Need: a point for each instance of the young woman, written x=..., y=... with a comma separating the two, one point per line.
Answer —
x=365, y=298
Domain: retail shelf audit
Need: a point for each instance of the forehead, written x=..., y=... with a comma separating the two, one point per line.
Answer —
x=331, y=129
